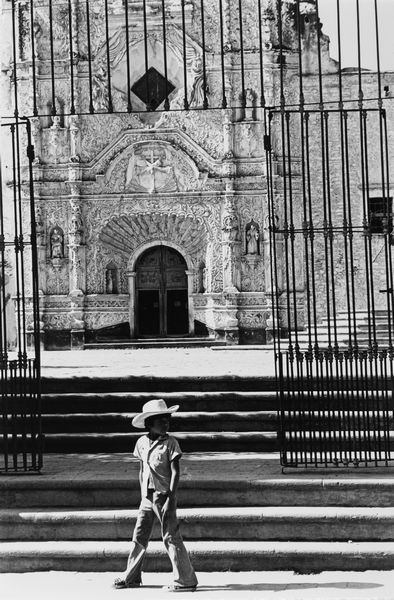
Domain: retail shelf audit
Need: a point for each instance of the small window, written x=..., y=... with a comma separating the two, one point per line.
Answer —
x=380, y=215
x=152, y=88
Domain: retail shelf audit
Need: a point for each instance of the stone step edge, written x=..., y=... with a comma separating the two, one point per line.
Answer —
x=206, y=556
x=225, y=514
x=322, y=483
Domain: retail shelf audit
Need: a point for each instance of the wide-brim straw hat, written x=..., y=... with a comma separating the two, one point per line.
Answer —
x=151, y=409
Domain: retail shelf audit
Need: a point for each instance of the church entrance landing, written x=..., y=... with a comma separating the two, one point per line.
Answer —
x=161, y=293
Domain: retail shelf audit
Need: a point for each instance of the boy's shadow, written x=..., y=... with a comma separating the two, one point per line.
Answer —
x=280, y=587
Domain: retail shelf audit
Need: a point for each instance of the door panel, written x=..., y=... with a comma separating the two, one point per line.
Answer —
x=177, y=312
x=149, y=312
x=162, y=295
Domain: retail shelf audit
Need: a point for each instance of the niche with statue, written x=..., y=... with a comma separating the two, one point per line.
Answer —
x=252, y=239
x=111, y=279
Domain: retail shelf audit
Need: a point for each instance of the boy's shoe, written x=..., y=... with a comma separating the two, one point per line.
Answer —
x=121, y=584
x=179, y=588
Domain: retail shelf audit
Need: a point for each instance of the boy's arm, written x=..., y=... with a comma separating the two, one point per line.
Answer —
x=171, y=500
x=140, y=473
x=174, y=476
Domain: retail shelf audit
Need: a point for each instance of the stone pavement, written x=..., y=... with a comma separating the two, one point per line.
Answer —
x=196, y=466
x=243, y=361
x=278, y=585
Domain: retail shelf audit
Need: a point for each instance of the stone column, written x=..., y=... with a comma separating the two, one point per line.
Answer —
x=77, y=262
x=131, y=276
x=190, y=285
x=75, y=139
x=231, y=247
x=231, y=252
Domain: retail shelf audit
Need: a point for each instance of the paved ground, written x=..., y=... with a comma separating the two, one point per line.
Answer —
x=195, y=466
x=278, y=585
x=166, y=362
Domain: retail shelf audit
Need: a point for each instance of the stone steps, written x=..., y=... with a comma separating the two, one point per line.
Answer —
x=363, y=320
x=132, y=401
x=265, y=521
x=207, y=480
x=284, y=523
x=99, y=556
x=238, y=511
x=196, y=441
x=121, y=422
x=154, y=343
x=223, y=421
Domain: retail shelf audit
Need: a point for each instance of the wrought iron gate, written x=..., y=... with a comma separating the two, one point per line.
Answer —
x=331, y=229
x=327, y=142
x=20, y=421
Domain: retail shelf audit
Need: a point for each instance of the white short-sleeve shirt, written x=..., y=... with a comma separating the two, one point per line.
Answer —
x=156, y=458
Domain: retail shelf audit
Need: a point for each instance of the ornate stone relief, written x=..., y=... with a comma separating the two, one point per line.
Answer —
x=159, y=161
x=57, y=278
x=153, y=167
x=126, y=233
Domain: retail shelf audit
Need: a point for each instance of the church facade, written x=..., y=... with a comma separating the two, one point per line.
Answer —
x=156, y=223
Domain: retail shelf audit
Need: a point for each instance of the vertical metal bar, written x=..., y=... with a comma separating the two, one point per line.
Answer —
x=3, y=316
x=274, y=290
x=14, y=60
x=70, y=34
x=389, y=261
x=166, y=101
x=16, y=241
x=52, y=56
x=33, y=59
x=224, y=99
x=13, y=403
x=20, y=241
x=186, y=97
x=89, y=42
x=126, y=12
x=110, y=105
x=241, y=47
x=146, y=55
x=3, y=334
x=35, y=373
x=204, y=58
x=312, y=297
x=261, y=55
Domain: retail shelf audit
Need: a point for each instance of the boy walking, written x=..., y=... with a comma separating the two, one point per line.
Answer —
x=159, y=454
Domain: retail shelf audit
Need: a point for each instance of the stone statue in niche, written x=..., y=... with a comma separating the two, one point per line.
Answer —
x=202, y=278
x=197, y=96
x=40, y=228
x=111, y=284
x=250, y=100
x=57, y=243
x=252, y=234
x=76, y=220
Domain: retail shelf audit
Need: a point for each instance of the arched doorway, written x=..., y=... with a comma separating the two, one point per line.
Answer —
x=161, y=293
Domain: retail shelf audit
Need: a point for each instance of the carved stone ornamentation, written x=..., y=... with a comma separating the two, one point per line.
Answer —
x=155, y=167
x=57, y=243
x=252, y=235
x=231, y=248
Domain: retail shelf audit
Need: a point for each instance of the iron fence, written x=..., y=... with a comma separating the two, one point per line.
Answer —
x=327, y=136
x=20, y=423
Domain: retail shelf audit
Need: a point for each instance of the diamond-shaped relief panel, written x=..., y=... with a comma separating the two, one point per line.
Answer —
x=152, y=88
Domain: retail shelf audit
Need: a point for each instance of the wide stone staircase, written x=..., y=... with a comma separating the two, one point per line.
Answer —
x=238, y=511
x=363, y=323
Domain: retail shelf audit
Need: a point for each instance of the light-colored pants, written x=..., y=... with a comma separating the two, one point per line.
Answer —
x=150, y=506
